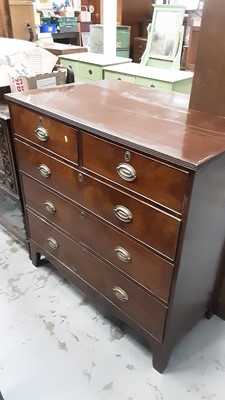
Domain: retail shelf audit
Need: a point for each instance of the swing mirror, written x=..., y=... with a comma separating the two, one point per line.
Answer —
x=165, y=33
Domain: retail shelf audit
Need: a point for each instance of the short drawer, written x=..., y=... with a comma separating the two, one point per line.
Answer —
x=71, y=64
x=138, y=263
x=45, y=132
x=154, y=83
x=119, y=77
x=124, y=294
x=159, y=182
x=90, y=71
x=48, y=170
x=148, y=224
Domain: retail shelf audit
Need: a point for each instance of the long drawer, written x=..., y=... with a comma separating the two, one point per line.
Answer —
x=51, y=135
x=138, y=263
x=131, y=299
x=152, y=179
x=148, y=224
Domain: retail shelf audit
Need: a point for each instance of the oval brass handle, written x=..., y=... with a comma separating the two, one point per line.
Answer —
x=41, y=133
x=50, y=207
x=126, y=172
x=123, y=254
x=120, y=294
x=123, y=213
x=52, y=243
x=44, y=171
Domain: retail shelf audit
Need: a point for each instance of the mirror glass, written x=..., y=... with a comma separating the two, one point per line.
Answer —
x=164, y=34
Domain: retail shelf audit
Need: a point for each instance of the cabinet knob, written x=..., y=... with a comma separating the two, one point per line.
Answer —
x=152, y=85
x=50, y=207
x=90, y=72
x=41, y=133
x=123, y=254
x=52, y=243
x=120, y=294
x=123, y=214
x=126, y=172
x=44, y=171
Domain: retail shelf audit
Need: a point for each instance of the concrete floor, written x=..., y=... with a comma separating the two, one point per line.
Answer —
x=55, y=345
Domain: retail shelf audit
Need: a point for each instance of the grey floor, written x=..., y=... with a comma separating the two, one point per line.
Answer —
x=55, y=345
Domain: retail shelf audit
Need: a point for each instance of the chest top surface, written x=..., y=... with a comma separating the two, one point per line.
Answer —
x=153, y=121
x=95, y=58
x=162, y=74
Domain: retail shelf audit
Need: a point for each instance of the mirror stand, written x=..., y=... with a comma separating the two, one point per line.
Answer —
x=165, y=38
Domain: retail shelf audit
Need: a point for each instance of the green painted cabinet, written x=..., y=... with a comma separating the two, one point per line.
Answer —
x=122, y=40
x=89, y=66
x=160, y=78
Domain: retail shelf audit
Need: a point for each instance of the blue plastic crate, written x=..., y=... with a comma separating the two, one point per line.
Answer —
x=50, y=28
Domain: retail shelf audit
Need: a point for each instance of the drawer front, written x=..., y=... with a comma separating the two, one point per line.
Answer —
x=148, y=224
x=125, y=295
x=62, y=177
x=51, y=135
x=90, y=71
x=154, y=83
x=145, y=267
x=119, y=77
x=152, y=179
x=72, y=64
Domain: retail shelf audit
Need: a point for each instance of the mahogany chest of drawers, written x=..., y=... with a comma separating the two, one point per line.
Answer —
x=124, y=191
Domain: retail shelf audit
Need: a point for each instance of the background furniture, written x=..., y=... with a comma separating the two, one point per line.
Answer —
x=165, y=37
x=22, y=19
x=130, y=13
x=140, y=44
x=5, y=20
x=208, y=94
x=89, y=66
x=59, y=49
x=71, y=37
x=10, y=202
x=160, y=78
x=122, y=40
x=114, y=199
x=192, y=48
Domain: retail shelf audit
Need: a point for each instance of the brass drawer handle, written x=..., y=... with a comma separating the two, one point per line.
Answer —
x=126, y=172
x=52, y=243
x=123, y=254
x=44, y=171
x=120, y=294
x=123, y=213
x=41, y=133
x=50, y=207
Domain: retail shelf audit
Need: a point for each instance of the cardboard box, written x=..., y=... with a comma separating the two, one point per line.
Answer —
x=22, y=84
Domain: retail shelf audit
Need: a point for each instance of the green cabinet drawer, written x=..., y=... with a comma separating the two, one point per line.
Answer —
x=73, y=64
x=119, y=77
x=153, y=83
x=90, y=71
